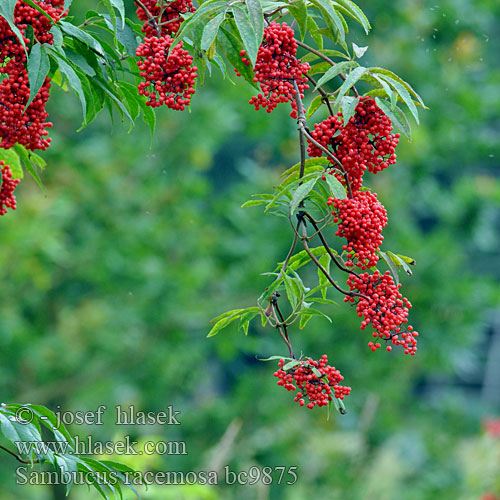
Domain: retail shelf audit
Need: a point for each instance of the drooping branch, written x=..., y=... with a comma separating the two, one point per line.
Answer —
x=151, y=19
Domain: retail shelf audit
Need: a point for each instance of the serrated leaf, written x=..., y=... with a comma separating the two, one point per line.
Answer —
x=327, y=52
x=336, y=188
x=231, y=47
x=253, y=203
x=38, y=68
x=211, y=29
x=396, y=116
x=390, y=74
x=313, y=29
x=247, y=32
x=314, y=106
x=335, y=71
x=357, y=13
x=349, y=82
x=291, y=364
x=325, y=261
x=300, y=193
x=7, y=12
x=11, y=158
x=348, y=106
x=391, y=266
x=39, y=9
x=274, y=358
x=298, y=10
x=405, y=95
x=256, y=17
x=74, y=80
x=327, y=8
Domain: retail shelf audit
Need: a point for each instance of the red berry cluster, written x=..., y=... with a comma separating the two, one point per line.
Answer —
x=168, y=81
x=316, y=381
x=17, y=124
x=365, y=143
x=166, y=14
x=361, y=220
x=383, y=306
x=7, y=198
x=277, y=68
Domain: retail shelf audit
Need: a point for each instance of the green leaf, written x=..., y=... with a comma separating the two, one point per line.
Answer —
x=313, y=312
x=74, y=80
x=334, y=71
x=253, y=203
x=311, y=162
x=348, y=106
x=211, y=29
x=299, y=11
x=405, y=95
x=39, y=9
x=291, y=364
x=256, y=17
x=321, y=67
x=274, y=358
x=7, y=12
x=313, y=29
x=326, y=7
x=327, y=52
x=83, y=36
x=300, y=193
x=399, y=261
x=349, y=82
x=294, y=290
x=325, y=261
x=118, y=5
x=231, y=47
x=356, y=13
x=390, y=74
x=408, y=260
x=11, y=158
x=396, y=116
x=38, y=68
x=247, y=32
x=323, y=300
x=390, y=265
x=314, y=106
x=336, y=188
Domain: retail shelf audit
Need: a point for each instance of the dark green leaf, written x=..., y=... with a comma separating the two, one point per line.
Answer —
x=247, y=32
x=299, y=11
x=334, y=71
x=300, y=193
x=211, y=29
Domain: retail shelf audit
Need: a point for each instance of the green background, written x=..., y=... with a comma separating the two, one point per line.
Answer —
x=111, y=275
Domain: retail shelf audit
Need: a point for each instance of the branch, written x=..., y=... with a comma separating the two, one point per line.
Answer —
x=301, y=120
x=323, y=270
x=18, y=458
x=327, y=247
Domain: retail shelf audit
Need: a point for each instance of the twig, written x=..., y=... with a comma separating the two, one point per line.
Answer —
x=150, y=16
x=17, y=457
x=327, y=247
x=323, y=270
x=325, y=58
x=325, y=99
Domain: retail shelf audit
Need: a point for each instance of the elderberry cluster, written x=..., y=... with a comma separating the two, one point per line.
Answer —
x=18, y=124
x=315, y=381
x=168, y=81
x=383, y=306
x=277, y=68
x=361, y=220
x=166, y=15
x=365, y=143
x=169, y=78
x=7, y=198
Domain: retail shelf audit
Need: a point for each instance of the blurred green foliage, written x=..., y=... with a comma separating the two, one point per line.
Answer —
x=111, y=275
